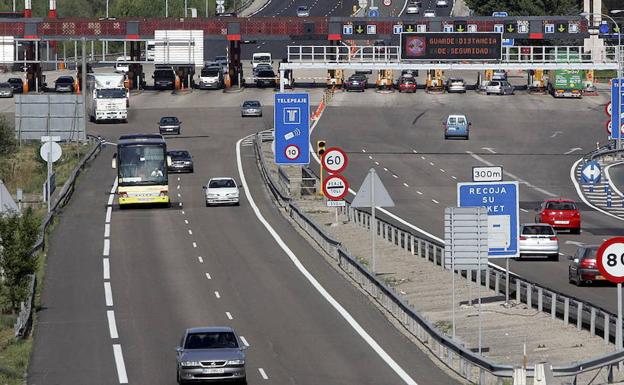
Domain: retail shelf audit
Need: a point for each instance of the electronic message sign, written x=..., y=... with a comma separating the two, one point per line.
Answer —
x=451, y=46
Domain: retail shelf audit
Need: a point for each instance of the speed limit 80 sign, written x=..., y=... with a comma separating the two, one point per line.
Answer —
x=610, y=259
x=334, y=160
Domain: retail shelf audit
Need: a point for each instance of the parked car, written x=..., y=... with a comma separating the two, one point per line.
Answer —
x=560, y=214
x=164, y=78
x=456, y=126
x=17, y=84
x=583, y=268
x=265, y=78
x=251, y=108
x=412, y=8
x=407, y=83
x=208, y=354
x=456, y=85
x=211, y=78
x=539, y=239
x=499, y=75
x=169, y=125
x=122, y=65
x=262, y=67
x=442, y=3
x=181, y=161
x=6, y=90
x=356, y=82
x=223, y=190
x=429, y=13
x=499, y=87
x=64, y=84
x=303, y=11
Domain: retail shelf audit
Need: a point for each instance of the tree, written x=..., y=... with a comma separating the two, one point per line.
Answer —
x=18, y=234
x=526, y=7
x=7, y=137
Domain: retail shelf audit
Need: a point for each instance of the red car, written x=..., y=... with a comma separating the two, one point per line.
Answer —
x=407, y=84
x=560, y=214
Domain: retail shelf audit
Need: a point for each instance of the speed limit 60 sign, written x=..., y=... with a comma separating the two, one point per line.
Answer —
x=334, y=160
x=610, y=259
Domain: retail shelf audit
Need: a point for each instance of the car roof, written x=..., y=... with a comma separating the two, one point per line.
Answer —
x=560, y=200
x=222, y=178
x=168, y=117
x=457, y=116
x=210, y=329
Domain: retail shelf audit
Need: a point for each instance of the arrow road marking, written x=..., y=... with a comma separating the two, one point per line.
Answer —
x=572, y=150
x=490, y=149
x=575, y=243
x=556, y=133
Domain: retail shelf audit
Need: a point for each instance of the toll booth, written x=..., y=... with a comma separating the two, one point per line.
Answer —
x=435, y=82
x=384, y=79
x=335, y=78
x=536, y=82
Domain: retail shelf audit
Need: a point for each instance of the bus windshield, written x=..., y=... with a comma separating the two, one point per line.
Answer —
x=111, y=93
x=142, y=164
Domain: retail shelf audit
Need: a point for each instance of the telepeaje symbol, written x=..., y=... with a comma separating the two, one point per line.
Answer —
x=292, y=134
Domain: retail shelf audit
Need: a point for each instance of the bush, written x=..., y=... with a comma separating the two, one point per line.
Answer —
x=7, y=137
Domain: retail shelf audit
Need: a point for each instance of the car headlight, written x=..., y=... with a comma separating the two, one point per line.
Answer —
x=189, y=364
x=236, y=362
x=232, y=194
x=213, y=195
x=187, y=162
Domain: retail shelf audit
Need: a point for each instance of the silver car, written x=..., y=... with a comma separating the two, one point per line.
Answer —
x=251, y=108
x=6, y=90
x=412, y=9
x=303, y=11
x=499, y=87
x=539, y=239
x=456, y=85
x=222, y=191
x=209, y=354
x=429, y=13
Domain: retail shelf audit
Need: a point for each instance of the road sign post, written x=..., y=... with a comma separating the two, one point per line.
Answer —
x=292, y=128
x=610, y=261
x=334, y=160
x=50, y=151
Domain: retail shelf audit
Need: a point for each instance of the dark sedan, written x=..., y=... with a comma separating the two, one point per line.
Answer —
x=357, y=82
x=169, y=125
x=17, y=84
x=265, y=78
x=583, y=268
x=181, y=161
x=64, y=84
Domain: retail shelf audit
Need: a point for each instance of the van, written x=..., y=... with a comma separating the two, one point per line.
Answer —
x=122, y=65
x=211, y=77
x=261, y=57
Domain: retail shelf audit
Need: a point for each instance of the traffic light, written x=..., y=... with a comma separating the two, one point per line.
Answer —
x=320, y=147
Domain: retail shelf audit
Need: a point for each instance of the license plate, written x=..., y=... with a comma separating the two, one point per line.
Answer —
x=213, y=371
x=599, y=278
x=562, y=222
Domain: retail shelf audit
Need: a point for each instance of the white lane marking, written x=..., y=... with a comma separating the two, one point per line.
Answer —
x=112, y=325
x=201, y=260
x=524, y=210
x=106, y=268
x=520, y=180
x=217, y=294
x=109, y=212
x=442, y=170
x=209, y=277
x=490, y=149
x=608, y=175
x=422, y=157
x=178, y=187
x=114, y=187
x=194, y=245
x=190, y=232
x=580, y=193
x=229, y=315
x=405, y=184
x=405, y=6
x=575, y=243
x=179, y=195
x=556, y=133
x=186, y=221
x=414, y=151
x=419, y=192
x=121, y=366
x=370, y=157
x=111, y=198
x=561, y=253
x=178, y=179
x=106, y=251
x=180, y=204
x=243, y=340
x=395, y=176
x=108, y=294
x=322, y=291
x=385, y=169
x=263, y=373
x=435, y=201
x=572, y=150
x=377, y=163
x=431, y=164
x=182, y=212
x=453, y=176
x=107, y=230
x=363, y=150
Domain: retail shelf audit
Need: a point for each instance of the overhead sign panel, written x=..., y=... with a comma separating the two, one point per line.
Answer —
x=451, y=46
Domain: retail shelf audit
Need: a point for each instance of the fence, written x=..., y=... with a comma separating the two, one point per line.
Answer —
x=464, y=362
x=24, y=319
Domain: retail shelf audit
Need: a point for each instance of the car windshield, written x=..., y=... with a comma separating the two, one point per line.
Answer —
x=266, y=74
x=179, y=154
x=537, y=230
x=221, y=183
x=113, y=93
x=169, y=120
x=15, y=80
x=164, y=74
x=262, y=59
x=5, y=85
x=64, y=79
x=456, y=120
x=303, y=8
x=220, y=59
x=591, y=253
x=560, y=206
x=211, y=340
x=251, y=103
x=142, y=165
x=210, y=72
x=456, y=80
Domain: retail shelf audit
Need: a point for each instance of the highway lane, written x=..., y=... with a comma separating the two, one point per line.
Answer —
x=160, y=286
x=401, y=136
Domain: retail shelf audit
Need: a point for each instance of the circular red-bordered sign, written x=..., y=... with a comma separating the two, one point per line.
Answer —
x=334, y=160
x=610, y=259
x=292, y=152
x=335, y=187
x=608, y=126
x=608, y=108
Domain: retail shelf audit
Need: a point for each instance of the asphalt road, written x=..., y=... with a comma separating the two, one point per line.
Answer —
x=535, y=138
x=160, y=286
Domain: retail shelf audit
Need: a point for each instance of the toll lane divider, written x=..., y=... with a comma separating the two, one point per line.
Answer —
x=467, y=364
x=23, y=323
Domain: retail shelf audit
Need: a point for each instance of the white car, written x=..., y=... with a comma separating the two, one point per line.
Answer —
x=429, y=13
x=303, y=11
x=222, y=191
x=539, y=239
x=121, y=64
x=412, y=9
x=442, y=3
x=499, y=75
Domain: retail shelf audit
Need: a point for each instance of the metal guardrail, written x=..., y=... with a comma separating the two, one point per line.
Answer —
x=464, y=362
x=24, y=319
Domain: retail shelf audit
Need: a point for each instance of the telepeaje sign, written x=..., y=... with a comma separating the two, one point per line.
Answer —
x=451, y=46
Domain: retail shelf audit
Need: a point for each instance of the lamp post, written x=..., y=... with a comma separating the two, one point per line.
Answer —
x=618, y=58
x=166, y=8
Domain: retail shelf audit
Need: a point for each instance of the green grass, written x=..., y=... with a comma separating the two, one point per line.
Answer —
x=14, y=354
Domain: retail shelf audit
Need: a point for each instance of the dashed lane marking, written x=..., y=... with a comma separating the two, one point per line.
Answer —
x=263, y=373
x=244, y=341
x=209, y=277
x=229, y=315
x=217, y=294
x=112, y=325
x=107, y=230
x=190, y=232
x=109, y=212
x=119, y=363
x=194, y=245
x=201, y=260
x=106, y=250
x=106, y=268
x=405, y=184
x=108, y=294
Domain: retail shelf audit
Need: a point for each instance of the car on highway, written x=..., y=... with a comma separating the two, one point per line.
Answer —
x=538, y=239
x=412, y=8
x=251, y=108
x=64, y=84
x=583, y=268
x=265, y=78
x=222, y=190
x=6, y=90
x=499, y=87
x=442, y=3
x=303, y=11
x=456, y=85
x=164, y=78
x=211, y=78
x=210, y=354
x=499, y=75
x=356, y=82
x=17, y=84
x=181, y=161
x=169, y=125
x=560, y=214
x=456, y=126
x=407, y=83
x=429, y=13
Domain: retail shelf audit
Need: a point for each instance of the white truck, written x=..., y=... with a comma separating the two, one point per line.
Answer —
x=107, y=98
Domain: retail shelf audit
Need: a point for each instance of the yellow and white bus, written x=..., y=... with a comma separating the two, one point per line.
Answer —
x=141, y=162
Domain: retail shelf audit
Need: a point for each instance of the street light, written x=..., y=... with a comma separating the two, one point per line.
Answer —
x=618, y=57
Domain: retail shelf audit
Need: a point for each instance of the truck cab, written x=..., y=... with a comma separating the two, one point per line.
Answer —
x=261, y=57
